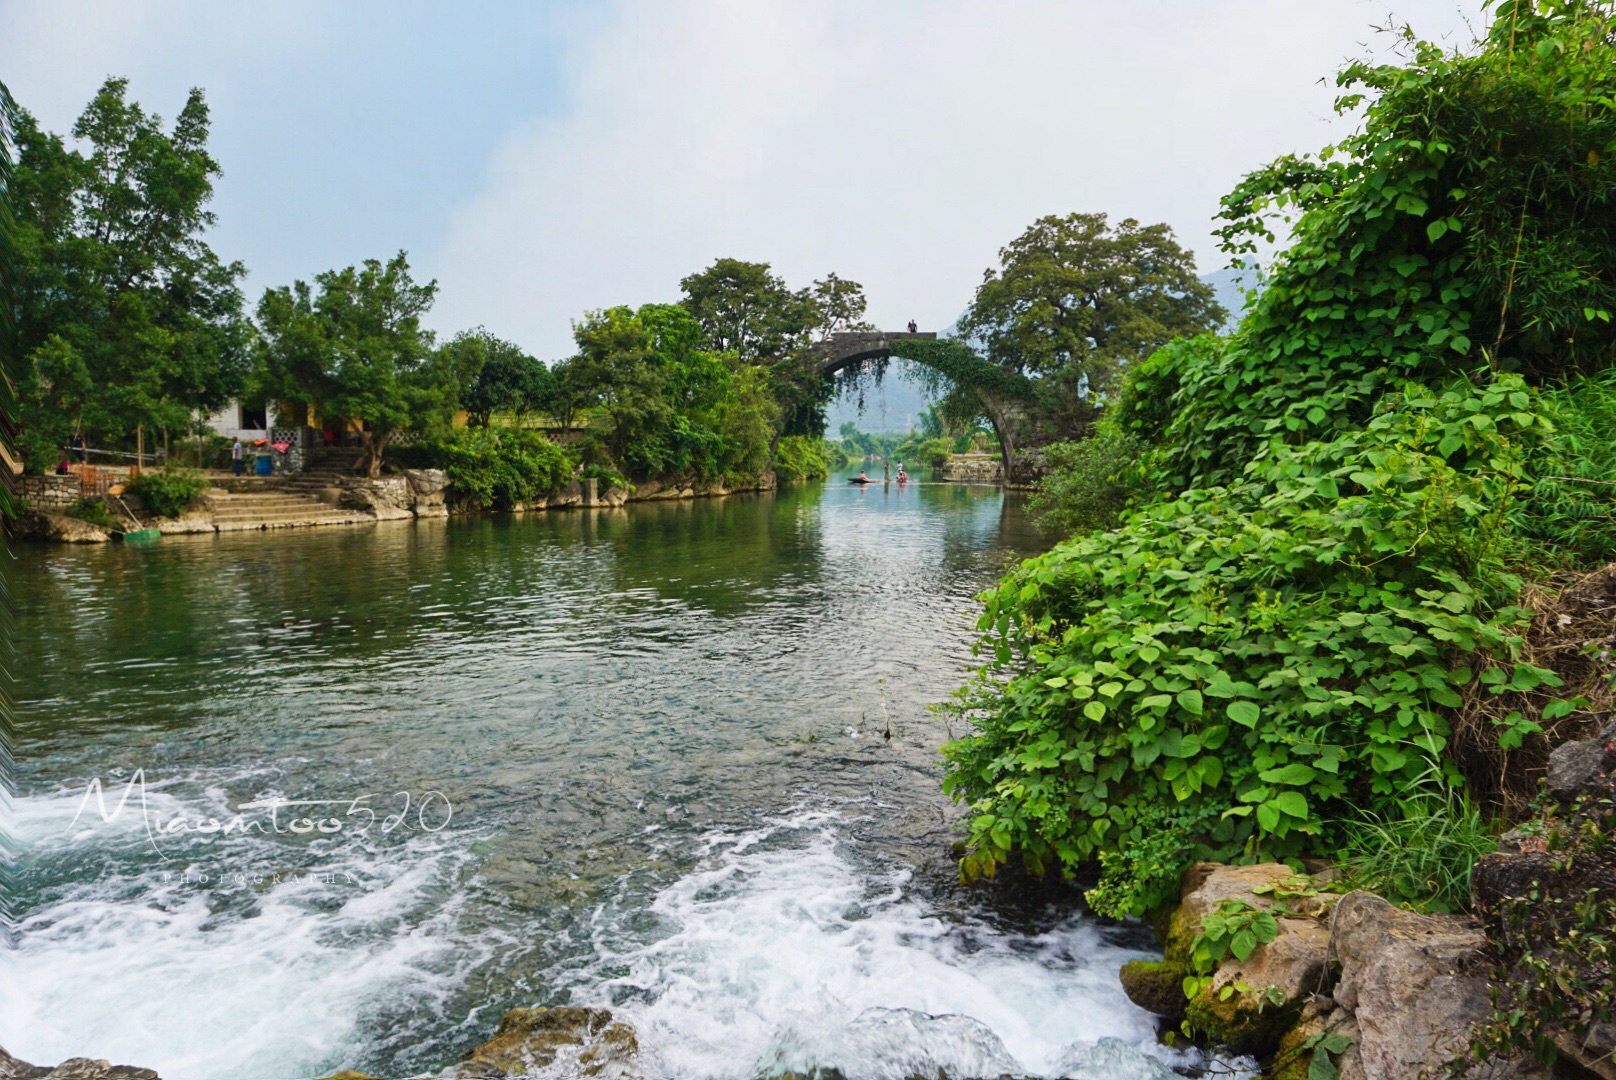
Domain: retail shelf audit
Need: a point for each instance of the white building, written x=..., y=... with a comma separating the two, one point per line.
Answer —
x=243, y=420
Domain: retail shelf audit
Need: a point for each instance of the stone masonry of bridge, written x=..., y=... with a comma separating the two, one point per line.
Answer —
x=846, y=349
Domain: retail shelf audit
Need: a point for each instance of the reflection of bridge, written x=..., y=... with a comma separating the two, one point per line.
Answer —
x=845, y=350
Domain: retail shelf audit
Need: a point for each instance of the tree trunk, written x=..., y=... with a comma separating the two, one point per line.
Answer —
x=370, y=461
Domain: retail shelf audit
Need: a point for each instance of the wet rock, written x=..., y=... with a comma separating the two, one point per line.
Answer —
x=71, y=1069
x=60, y=529
x=589, y=1040
x=1155, y=986
x=615, y=496
x=1250, y=1003
x=429, y=492
x=1414, y=983
x=350, y=1074
x=14, y=1069
x=1293, y=1059
x=1587, y=767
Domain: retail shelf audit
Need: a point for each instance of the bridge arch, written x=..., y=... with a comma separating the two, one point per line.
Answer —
x=1002, y=395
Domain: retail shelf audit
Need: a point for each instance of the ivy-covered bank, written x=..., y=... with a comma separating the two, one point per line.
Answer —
x=1303, y=635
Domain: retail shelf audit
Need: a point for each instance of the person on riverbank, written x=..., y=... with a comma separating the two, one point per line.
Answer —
x=914, y=327
x=235, y=456
x=76, y=444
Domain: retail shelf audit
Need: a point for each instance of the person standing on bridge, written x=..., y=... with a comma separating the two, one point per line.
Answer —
x=913, y=328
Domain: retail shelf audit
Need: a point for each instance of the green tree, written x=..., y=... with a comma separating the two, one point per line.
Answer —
x=838, y=306
x=1075, y=301
x=354, y=347
x=125, y=315
x=746, y=309
x=499, y=376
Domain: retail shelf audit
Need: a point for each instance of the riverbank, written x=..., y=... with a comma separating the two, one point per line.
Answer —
x=245, y=504
x=1334, y=981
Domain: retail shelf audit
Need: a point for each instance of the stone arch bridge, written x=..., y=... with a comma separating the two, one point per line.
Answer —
x=851, y=349
x=855, y=347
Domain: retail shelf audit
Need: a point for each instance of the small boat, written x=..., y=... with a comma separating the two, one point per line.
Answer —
x=862, y=480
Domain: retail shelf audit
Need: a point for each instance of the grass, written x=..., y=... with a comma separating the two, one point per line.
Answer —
x=1421, y=859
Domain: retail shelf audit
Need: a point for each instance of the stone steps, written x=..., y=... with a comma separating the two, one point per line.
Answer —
x=280, y=509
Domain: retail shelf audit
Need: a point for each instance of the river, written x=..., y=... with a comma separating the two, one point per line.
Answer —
x=385, y=782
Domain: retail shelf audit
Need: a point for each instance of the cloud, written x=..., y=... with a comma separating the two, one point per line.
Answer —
x=901, y=144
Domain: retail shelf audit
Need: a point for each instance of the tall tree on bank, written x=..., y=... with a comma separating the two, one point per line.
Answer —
x=126, y=316
x=1075, y=301
x=747, y=309
x=353, y=347
x=498, y=376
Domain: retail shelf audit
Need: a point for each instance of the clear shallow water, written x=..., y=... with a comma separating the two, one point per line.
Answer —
x=632, y=758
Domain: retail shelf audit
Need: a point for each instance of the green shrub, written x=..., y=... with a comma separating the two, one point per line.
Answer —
x=96, y=513
x=1261, y=658
x=1270, y=646
x=935, y=452
x=1088, y=483
x=606, y=477
x=168, y=492
x=1570, y=516
x=801, y=457
x=503, y=466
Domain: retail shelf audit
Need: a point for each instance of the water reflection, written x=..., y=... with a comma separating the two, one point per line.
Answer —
x=595, y=692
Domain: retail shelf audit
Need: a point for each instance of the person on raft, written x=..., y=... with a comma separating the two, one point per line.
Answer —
x=862, y=478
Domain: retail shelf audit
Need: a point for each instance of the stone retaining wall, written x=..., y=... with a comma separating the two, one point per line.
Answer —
x=972, y=469
x=48, y=492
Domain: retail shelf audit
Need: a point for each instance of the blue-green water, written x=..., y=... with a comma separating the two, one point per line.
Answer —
x=674, y=758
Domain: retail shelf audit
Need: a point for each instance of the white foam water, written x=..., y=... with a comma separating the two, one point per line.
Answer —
x=781, y=955
x=785, y=948
x=146, y=962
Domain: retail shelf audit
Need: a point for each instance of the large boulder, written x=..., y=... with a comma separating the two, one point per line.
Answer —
x=588, y=1041
x=1586, y=767
x=1249, y=1003
x=60, y=529
x=429, y=492
x=1415, y=984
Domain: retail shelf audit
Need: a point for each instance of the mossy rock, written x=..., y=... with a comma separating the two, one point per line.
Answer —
x=1177, y=937
x=1239, y=1022
x=1157, y=986
x=1291, y=1060
x=530, y=1039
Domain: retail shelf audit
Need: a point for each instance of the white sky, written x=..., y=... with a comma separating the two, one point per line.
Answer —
x=541, y=160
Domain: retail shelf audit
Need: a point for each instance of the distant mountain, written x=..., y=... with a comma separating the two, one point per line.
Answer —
x=895, y=404
x=1229, y=286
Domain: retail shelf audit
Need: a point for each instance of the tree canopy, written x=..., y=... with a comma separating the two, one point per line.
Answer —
x=353, y=346
x=125, y=314
x=1073, y=303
